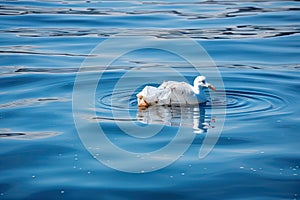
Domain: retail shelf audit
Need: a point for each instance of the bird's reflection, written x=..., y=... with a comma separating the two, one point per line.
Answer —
x=190, y=116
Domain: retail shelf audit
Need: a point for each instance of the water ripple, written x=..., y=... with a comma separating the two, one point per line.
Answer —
x=250, y=104
x=27, y=135
x=203, y=15
x=32, y=101
x=255, y=45
x=232, y=32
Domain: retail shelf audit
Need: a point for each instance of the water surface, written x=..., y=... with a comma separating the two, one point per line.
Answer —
x=255, y=46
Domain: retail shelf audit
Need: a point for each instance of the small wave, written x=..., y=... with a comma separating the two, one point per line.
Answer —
x=249, y=104
x=233, y=32
x=27, y=135
x=31, y=101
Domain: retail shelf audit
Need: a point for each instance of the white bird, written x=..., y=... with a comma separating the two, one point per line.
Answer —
x=174, y=93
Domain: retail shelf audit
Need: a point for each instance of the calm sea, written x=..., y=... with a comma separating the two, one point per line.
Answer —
x=255, y=48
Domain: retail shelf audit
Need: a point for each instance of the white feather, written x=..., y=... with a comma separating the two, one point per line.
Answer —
x=180, y=92
x=172, y=92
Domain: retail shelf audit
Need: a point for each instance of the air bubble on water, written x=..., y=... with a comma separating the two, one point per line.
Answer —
x=182, y=174
x=74, y=167
x=1, y=194
x=142, y=171
x=171, y=176
x=33, y=176
x=252, y=169
x=295, y=196
x=241, y=167
x=262, y=152
x=62, y=191
x=75, y=158
x=190, y=165
x=295, y=174
x=89, y=172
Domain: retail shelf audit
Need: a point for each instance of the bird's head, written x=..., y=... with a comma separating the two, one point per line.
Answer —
x=200, y=81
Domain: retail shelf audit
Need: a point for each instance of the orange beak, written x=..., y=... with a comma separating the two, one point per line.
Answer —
x=212, y=88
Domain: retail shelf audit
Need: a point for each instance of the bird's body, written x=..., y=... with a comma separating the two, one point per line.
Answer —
x=174, y=93
x=180, y=92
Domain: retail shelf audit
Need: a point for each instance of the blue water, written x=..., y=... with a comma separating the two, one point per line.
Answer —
x=255, y=46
